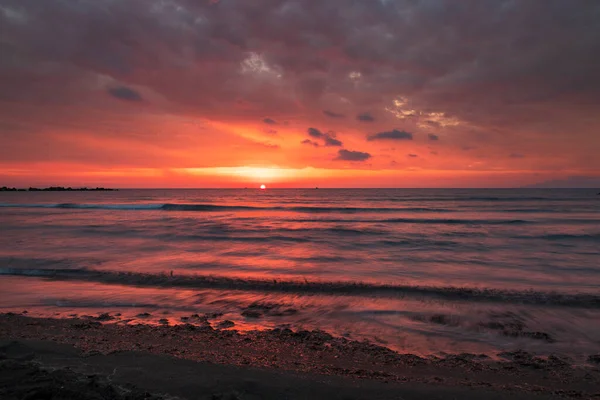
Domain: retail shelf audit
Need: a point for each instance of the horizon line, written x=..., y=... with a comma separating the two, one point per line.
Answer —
x=91, y=189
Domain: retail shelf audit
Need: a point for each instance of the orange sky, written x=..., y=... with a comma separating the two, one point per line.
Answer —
x=234, y=93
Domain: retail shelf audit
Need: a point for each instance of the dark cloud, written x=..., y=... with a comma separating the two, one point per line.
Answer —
x=398, y=47
x=124, y=93
x=332, y=142
x=394, y=134
x=412, y=155
x=329, y=139
x=269, y=121
x=310, y=142
x=314, y=132
x=433, y=137
x=333, y=114
x=517, y=155
x=348, y=155
x=365, y=117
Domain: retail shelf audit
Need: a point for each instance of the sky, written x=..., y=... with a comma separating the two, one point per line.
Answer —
x=299, y=93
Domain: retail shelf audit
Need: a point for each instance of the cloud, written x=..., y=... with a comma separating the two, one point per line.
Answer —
x=394, y=134
x=365, y=117
x=310, y=142
x=348, y=155
x=124, y=93
x=430, y=66
x=314, y=132
x=517, y=155
x=269, y=121
x=433, y=137
x=329, y=139
x=412, y=155
x=333, y=114
x=270, y=145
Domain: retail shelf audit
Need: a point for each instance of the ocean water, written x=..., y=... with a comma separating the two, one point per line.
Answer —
x=429, y=272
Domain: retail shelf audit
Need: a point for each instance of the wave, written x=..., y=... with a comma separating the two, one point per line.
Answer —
x=581, y=300
x=88, y=206
x=217, y=208
x=455, y=221
x=476, y=198
x=300, y=209
x=592, y=236
x=492, y=198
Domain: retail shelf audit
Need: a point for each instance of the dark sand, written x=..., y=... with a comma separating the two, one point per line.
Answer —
x=82, y=358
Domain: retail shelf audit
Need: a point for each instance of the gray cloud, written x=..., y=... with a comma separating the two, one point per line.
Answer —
x=310, y=142
x=371, y=37
x=394, y=134
x=314, y=132
x=433, y=137
x=365, y=117
x=348, y=155
x=333, y=114
x=124, y=93
x=329, y=139
x=517, y=155
x=412, y=155
x=269, y=121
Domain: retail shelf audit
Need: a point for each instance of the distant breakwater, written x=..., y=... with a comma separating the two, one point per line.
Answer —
x=55, y=189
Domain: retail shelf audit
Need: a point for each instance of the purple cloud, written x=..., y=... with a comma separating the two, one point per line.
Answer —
x=394, y=134
x=365, y=117
x=348, y=155
x=124, y=93
x=333, y=114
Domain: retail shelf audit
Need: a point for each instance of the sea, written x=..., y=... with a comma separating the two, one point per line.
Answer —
x=429, y=272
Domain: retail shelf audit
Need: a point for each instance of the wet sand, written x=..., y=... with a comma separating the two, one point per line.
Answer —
x=195, y=360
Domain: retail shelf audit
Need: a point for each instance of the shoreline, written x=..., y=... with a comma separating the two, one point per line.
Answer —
x=309, y=352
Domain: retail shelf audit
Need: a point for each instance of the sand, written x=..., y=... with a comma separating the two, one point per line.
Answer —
x=97, y=360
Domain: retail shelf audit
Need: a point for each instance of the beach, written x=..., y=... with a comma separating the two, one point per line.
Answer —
x=279, y=363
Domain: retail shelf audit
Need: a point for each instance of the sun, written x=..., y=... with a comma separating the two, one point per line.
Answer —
x=262, y=187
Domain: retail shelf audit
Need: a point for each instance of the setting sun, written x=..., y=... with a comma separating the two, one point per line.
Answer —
x=262, y=187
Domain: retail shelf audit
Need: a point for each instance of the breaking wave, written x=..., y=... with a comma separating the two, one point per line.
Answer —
x=218, y=208
x=299, y=209
x=88, y=206
x=581, y=300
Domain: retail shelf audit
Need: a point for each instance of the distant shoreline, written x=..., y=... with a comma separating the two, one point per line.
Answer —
x=57, y=189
